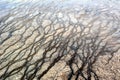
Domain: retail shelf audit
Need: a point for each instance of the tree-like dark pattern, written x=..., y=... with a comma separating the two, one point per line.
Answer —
x=33, y=39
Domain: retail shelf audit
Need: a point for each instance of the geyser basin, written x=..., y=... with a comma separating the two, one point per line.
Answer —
x=59, y=39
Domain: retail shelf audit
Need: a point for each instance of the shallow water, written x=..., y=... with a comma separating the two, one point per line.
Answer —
x=42, y=39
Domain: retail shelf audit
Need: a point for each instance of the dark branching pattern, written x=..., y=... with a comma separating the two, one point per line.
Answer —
x=42, y=39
